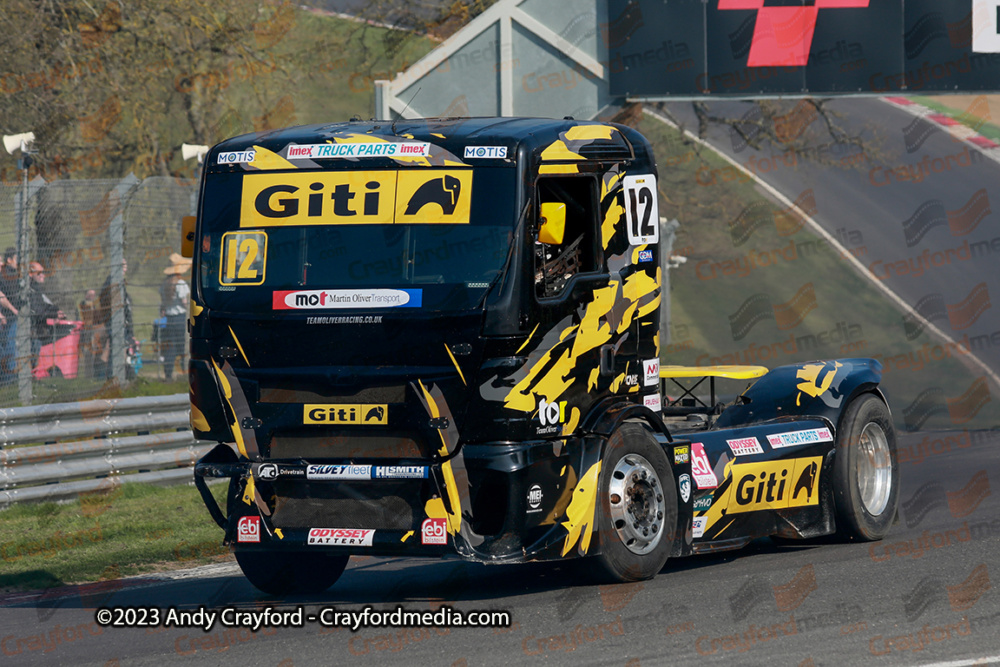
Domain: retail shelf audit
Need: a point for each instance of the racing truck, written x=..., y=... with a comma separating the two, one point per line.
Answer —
x=441, y=337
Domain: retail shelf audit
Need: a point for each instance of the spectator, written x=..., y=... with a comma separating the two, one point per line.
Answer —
x=10, y=301
x=43, y=309
x=111, y=300
x=174, y=294
x=88, y=315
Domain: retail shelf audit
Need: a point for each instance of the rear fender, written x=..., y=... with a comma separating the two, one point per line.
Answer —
x=814, y=389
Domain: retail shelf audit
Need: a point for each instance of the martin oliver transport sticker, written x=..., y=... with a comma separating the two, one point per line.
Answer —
x=336, y=299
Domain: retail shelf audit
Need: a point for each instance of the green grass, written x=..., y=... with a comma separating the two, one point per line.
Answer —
x=702, y=303
x=130, y=530
x=983, y=127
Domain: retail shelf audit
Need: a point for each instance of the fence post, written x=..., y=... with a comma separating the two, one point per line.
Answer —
x=116, y=242
x=24, y=328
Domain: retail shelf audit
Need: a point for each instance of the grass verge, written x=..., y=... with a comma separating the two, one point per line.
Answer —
x=133, y=529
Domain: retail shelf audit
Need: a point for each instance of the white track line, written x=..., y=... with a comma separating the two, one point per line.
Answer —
x=858, y=266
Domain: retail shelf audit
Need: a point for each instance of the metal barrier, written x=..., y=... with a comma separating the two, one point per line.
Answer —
x=79, y=454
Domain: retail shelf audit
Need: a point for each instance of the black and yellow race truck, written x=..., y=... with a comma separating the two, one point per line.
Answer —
x=436, y=337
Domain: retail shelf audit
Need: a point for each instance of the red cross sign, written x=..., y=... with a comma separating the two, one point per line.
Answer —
x=783, y=36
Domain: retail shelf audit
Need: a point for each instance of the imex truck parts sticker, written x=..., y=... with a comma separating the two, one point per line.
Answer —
x=356, y=198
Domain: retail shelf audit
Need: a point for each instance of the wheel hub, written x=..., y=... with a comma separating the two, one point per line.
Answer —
x=637, y=504
x=874, y=466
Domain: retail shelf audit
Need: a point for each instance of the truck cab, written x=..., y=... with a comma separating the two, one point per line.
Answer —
x=440, y=337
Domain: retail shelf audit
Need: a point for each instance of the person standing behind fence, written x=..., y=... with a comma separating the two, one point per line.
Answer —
x=174, y=295
x=43, y=309
x=10, y=300
x=109, y=302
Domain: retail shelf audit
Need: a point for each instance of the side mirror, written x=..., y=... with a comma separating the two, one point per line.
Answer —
x=187, y=235
x=553, y=223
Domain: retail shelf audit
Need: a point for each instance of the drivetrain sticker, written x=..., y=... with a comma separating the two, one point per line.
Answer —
x=339, y=299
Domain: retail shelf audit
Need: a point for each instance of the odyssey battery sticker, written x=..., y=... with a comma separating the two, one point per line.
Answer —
x=432, y=196
x=334, y=299
x=244, y=258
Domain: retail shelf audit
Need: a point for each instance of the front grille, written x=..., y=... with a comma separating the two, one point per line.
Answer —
x=385, y=506
x=360, y=446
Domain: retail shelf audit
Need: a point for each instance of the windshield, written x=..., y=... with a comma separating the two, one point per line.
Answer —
x=328, y=241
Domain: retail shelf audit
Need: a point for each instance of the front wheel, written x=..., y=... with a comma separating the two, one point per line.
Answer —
x=637, y=506
x=866, y=472
x=290, y=572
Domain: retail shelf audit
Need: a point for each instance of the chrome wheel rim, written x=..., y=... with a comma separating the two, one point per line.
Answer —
x=874, y=466
x=635, y=496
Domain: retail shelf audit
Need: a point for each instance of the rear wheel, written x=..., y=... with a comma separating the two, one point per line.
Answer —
x=866, y=473
x=637, y=506
x=290, y=572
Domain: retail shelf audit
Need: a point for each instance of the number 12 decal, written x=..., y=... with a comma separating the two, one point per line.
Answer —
x=244, y=258
x=642, y=209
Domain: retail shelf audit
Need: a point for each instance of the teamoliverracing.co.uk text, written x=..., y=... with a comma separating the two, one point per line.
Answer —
x=297, y=617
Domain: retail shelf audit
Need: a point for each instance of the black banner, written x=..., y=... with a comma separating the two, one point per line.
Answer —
x=744, y=48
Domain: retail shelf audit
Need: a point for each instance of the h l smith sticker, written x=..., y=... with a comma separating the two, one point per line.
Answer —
x=334, y=299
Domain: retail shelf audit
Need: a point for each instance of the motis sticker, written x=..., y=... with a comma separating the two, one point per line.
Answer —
x=236, y=157
x=642, y=215
x=495, y=152
x=796, y=438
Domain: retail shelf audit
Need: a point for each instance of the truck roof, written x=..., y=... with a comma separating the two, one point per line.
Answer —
x=581, y=140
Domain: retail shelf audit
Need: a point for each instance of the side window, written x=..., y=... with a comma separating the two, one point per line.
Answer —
x=555, y=264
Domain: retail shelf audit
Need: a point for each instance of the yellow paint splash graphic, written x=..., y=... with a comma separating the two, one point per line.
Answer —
x=457, y=367
x=574, y=420
x=237, y=340
x=266, y=160
x=249, y=492
x=558, y=150
x=812, y=384
x=407, y=536
x=281, y=535
x=590, y=132
x=198, y=420
x=579, y=522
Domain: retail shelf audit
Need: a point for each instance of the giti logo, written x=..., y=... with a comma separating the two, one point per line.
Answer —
x=775, y=484
x=356, y=197
x=551, y=414
x=354, y=414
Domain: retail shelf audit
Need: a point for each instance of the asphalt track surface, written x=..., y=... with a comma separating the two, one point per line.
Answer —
x=916, y=234
x=924, y=595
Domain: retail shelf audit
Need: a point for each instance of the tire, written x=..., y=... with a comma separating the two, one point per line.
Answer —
x=866, y=472
x=636, y=472
x=291, y=572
